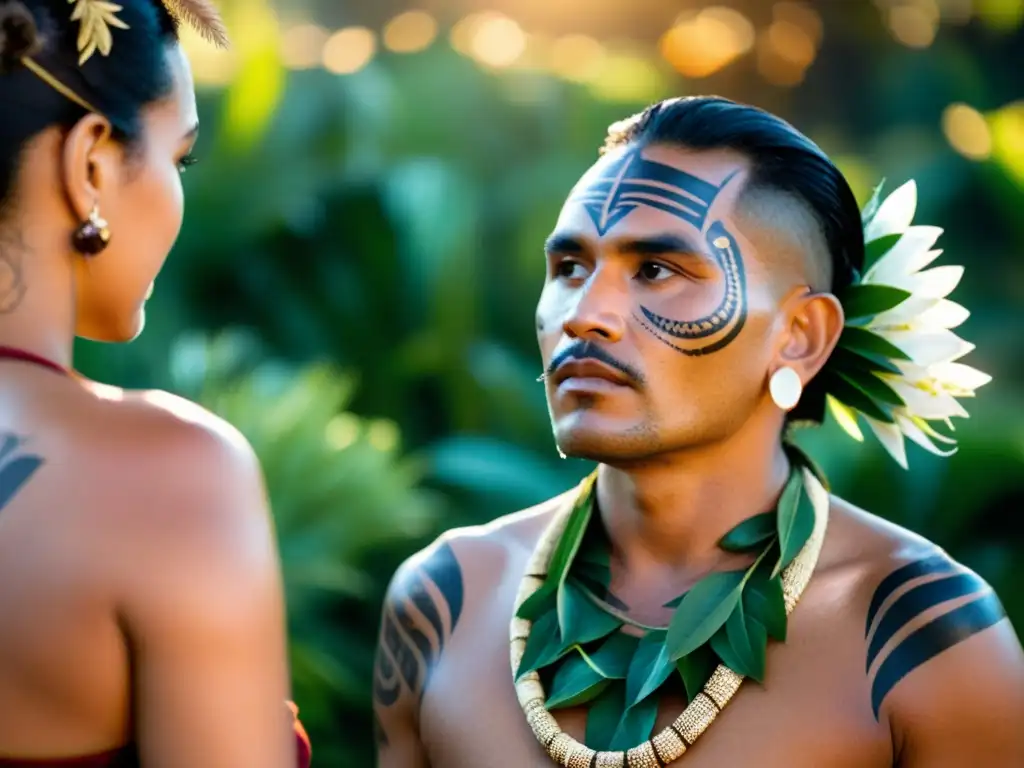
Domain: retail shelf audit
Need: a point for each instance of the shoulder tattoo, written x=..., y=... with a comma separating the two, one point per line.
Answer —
x=419, y=619
x=16, y=467
x=958, y=603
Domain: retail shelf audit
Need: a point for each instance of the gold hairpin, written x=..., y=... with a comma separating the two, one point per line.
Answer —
x=95, y=18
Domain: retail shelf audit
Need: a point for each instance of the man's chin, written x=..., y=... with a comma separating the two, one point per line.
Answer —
x=605, y=446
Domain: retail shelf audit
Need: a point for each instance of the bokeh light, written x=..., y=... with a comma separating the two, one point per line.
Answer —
x=410, y=32
x=702, y=43
x=914, y=24
x=497, y=41
x=349, y=50
x=577, y=57
x=967, y=132
x=302, y=46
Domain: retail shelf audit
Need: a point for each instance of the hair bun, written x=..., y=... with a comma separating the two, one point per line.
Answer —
x=19, y=35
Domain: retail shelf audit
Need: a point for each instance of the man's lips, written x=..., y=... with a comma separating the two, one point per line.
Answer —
x=589, y=370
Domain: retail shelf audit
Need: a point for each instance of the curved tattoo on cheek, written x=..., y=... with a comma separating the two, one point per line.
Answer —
x=418, y=621
x=634, y=181
x=938, y=581
x=16, y=468
x=727, y=319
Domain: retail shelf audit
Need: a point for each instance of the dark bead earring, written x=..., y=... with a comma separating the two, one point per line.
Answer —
x=93, y=236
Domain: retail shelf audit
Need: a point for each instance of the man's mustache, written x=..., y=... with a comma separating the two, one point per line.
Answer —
x=588, y=350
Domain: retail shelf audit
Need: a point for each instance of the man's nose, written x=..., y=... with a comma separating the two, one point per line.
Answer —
x=602, y=307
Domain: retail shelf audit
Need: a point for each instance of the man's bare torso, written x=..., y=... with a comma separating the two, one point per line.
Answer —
x=814, y=709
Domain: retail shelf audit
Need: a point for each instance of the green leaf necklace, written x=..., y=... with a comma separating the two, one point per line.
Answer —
x=567, y=647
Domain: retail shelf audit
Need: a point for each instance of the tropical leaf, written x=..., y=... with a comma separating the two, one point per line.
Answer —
x=877, y=248
x=576, y=682
x=796, y=521
x=749, y=534
x=636, y=725
x=763, y=601
x=613, y=658
x=872, y=386
x=696, y=669
x=843, y=358
x=853, y=396
x=543, y=646
x=703, y=610
x=604, y=715
x=568, y=546
x=871, y=206
x=741, y=645
x=864, y=341
x=580, y=620
x=539, y=603
x=868, y=300
x=582, y=676
x=650, y=667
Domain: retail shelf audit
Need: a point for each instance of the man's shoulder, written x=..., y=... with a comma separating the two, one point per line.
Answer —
x=928, y=621
x=482, y=551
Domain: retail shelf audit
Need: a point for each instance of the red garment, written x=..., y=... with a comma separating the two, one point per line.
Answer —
x=128, y=758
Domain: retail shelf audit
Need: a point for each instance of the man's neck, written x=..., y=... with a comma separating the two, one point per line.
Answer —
x=669, y=514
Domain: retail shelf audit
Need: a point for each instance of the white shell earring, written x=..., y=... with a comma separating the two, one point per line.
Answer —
x=785, y=388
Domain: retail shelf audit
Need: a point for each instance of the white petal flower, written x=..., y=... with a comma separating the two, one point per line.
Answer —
x=928, y=347
x=894, y=214
x=911, y=253
x=891, y=438
x=931, y=382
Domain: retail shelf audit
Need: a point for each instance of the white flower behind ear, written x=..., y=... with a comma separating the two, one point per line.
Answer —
x=900, y=335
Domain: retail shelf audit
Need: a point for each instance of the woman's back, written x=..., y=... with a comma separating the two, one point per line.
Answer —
x=133, y=543
x=64, y=682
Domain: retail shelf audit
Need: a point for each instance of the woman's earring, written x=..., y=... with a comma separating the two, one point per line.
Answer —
x=785, y=388
x=93, y=236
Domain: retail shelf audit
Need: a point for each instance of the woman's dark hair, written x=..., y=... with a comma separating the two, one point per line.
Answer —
x=781, y=159
x=135, y=73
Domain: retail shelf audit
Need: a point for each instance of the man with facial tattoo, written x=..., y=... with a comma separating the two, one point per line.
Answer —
x=701, y=599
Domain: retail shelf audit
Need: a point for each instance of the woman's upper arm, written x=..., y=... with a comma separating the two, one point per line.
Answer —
x=203, y=610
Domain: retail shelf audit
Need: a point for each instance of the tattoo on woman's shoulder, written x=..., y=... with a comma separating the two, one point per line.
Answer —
x=900, y=638
x=419, y=618
x=17, y=466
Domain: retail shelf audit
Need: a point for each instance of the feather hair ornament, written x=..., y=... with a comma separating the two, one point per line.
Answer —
x=202, y=16
x=96, y=17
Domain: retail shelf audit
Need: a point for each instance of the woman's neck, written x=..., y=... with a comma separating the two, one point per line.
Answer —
x=36, y=295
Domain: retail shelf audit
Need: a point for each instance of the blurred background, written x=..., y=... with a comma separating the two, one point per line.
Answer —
x=356, y=281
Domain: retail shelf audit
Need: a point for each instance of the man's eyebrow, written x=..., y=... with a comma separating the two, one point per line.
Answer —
x=563, y=243
x=659, y=245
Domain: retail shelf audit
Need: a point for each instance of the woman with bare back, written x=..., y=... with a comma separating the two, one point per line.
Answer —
x=141, y=610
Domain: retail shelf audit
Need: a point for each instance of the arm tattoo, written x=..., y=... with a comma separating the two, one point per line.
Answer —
x=635, y=181
x=16, y=467
x=946, y=583
x=12, y=280
x=417, y=622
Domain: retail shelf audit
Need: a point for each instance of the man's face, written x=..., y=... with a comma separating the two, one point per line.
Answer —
x=658, y=321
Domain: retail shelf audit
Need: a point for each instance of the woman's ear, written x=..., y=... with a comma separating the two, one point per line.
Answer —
x=90, y=160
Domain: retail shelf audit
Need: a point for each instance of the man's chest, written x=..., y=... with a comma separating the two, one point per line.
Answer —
x=811, y=710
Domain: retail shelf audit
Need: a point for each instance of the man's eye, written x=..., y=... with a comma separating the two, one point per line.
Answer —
x=652, y=272
x=570, y=270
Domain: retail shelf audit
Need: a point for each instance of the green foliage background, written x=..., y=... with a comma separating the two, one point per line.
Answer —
x=355, y=283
